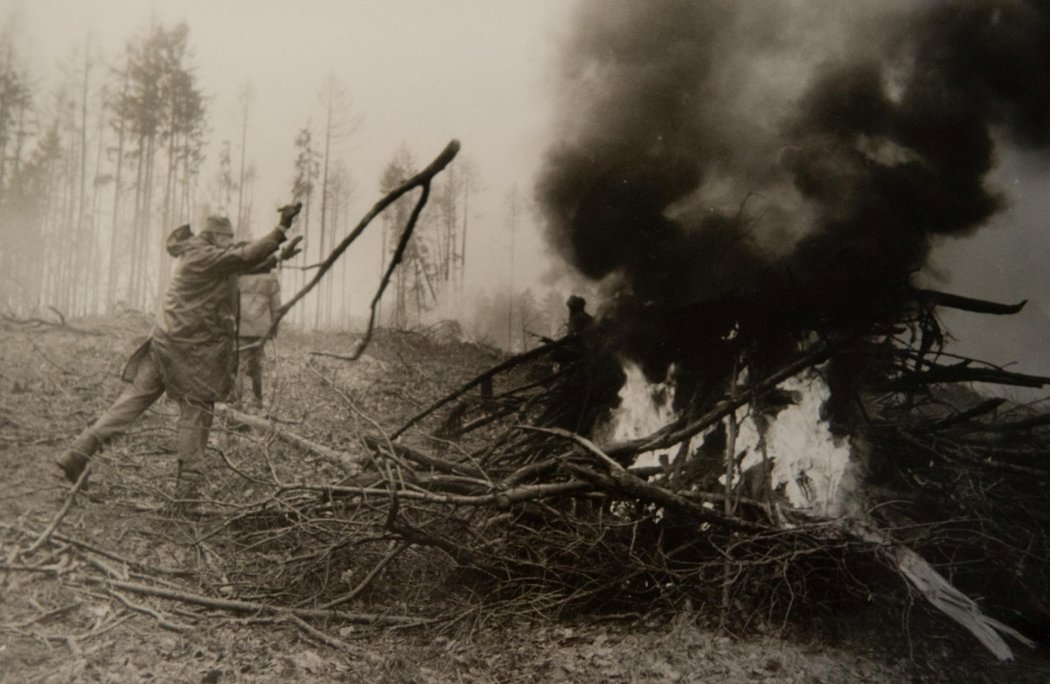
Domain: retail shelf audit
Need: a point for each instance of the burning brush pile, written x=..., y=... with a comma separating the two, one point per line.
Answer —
x=850, y=470
x=853, y=472
x=763, y=417
x=753, y=186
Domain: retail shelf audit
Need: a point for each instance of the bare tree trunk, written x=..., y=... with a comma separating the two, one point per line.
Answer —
x=330, y=296
x=3, y=148
x=246, y=94
x=115, y=232
x=147, y=228
x=337, y=211
x=96, y=197
x=382, y=268
x=84, y=253
x=167, y=208
x=510, y=287
x=185, y=199
x=463, y=232
x=69, y=242
x=20, y=137
x=400, y=313
x=136, y=224
x=48, y=258
x=324, y=206
x=307, y=206
x=25, y=266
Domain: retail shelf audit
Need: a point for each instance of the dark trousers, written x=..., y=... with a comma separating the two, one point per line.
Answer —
x=191, y=434
x=251, y=362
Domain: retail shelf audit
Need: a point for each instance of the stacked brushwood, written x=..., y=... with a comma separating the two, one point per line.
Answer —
x=501, y=496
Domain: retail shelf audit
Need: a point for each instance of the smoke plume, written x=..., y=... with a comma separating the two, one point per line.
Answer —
x=787, y=160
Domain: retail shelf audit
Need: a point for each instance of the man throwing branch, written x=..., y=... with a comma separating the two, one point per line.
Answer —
x=192, y=351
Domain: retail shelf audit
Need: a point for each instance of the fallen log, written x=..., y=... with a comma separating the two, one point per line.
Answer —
x=347, y=462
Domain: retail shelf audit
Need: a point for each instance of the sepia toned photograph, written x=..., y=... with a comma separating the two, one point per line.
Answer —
x=477, y=341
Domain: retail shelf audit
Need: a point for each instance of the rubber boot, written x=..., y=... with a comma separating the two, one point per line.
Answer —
x=187, y=494
x=74, y=459
x=191, y=440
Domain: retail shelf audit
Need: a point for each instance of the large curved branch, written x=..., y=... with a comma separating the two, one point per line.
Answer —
x=399, y=254
x=423, y=178
x=953, y=301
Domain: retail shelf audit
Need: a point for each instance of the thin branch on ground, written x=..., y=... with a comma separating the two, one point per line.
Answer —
x=66, y=506
x=163, y=621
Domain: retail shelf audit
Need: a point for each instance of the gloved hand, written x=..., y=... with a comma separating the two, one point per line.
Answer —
x=292, y=249
x=289, y=212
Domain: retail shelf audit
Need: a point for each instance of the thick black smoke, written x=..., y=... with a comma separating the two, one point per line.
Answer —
x=781, y=164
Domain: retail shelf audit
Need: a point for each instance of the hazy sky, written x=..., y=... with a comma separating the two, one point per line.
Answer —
x=421, y=72
x=1006, y=261
x=418, y=73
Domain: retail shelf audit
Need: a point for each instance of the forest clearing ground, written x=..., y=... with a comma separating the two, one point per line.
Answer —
x=60, y=623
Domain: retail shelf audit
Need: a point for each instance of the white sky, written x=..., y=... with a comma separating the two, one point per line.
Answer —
x=418, y=72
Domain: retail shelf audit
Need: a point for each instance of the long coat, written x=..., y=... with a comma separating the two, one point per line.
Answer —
x=260, y=299
x=194, y=344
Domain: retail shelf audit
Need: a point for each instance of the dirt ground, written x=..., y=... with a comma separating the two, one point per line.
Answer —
x=72, y=605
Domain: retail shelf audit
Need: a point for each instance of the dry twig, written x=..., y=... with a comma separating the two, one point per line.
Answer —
x=46, y=534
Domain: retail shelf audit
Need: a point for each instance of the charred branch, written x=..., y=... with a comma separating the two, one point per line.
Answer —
x=936, y=374
x=952, y=301
x=479, y=380
x=675, y=434
x=985, y=407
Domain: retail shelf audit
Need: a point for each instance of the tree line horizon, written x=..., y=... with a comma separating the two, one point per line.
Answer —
x=97, y=171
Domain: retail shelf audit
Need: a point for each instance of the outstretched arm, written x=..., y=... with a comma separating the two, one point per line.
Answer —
x=255, y=256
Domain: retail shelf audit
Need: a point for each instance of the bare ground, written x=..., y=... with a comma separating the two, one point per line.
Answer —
x=73, y=609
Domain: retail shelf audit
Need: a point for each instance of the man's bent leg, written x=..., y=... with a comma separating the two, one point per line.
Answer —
x=242, y=370
x=132, y=403
x=253, y=360
x=255, y=370
x=191, y=442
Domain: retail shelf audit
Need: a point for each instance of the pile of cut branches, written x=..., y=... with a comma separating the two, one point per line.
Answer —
x=489, y=492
